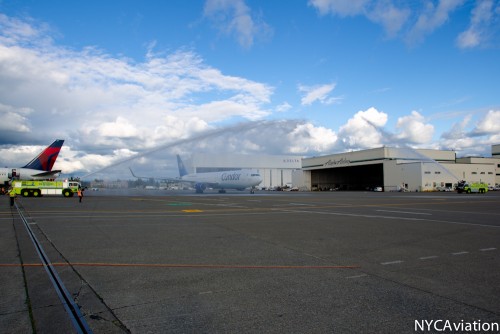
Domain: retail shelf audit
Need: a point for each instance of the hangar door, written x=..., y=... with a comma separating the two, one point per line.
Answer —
x=348, y=178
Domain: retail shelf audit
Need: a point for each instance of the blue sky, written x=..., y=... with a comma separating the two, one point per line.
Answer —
x=117, y=78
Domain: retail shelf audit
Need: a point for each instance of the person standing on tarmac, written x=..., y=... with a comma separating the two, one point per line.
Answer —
x=12, y=195
x=80, y=194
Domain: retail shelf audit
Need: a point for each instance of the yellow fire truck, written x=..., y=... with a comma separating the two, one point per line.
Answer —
x=38, y=188
x=477, y=187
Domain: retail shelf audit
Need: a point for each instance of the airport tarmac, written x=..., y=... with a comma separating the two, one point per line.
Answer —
x=271, y=262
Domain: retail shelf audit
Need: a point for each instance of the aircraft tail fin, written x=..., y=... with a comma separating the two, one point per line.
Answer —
x=45, y=160
x=182, y=168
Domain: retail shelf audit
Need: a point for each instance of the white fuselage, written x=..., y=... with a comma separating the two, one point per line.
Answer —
x=7, y=174
x=238, y=179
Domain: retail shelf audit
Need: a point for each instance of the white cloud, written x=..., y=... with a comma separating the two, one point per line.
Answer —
x=481, y=19
x=361, y=131
x=476, y=141
x=489, y=124
x=93, y=83
x=307, y=138
x=414, y=21
x=285, y=106
x=414, y=130
x=16, y=30
x=19, y=155
x=432, y=18
x=234, y=17
x=216, y=111
x=70, y=161
x=120, y=128
x=317, y=93
x=96, y=101
x=385, y=13
x=340, y=7
x=389, y=16
x=14, y=119
x=458, y=130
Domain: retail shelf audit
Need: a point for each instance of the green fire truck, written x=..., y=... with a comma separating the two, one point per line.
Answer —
x=39, y=188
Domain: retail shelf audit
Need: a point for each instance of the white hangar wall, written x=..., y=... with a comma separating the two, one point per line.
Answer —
x=477, y=161
x=276, y=170
x=428, y=176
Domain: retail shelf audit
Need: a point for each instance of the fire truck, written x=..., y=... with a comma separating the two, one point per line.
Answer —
x=39, y=188
x=477, y=187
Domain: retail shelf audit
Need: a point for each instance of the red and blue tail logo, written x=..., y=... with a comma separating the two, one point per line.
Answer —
x=45, y=160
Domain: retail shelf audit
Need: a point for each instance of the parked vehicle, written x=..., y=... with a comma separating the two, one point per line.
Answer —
x=39, y=188
x=478, y=187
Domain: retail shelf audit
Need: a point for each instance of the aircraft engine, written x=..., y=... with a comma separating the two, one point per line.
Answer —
x=200, y=187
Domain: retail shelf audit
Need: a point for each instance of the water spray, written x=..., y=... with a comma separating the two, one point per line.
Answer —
x=411, y=153
x=235, y=129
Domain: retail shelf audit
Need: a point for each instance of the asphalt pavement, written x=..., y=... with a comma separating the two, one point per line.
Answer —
x=272, y=262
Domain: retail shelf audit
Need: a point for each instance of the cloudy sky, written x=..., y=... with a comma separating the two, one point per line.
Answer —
x=301, y=77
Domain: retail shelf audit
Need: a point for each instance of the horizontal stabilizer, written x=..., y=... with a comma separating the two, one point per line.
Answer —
x=50, y=173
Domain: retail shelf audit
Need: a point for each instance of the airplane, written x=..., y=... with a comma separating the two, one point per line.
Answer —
x=233, y=179
x=40, y=168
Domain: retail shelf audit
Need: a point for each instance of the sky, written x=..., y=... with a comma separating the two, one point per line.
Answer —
x=116, y=79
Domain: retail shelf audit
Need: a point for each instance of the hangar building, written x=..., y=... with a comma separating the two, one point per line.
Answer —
x=392, y=168
x=396, y=169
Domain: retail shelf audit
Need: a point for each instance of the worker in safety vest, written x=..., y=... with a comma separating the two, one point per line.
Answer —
x=80, y=194
x=12, y=195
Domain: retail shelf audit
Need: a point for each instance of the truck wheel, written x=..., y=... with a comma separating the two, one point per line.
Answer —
x=25, y=192
x=67, y=193
x=36, y=193
x=468, y=191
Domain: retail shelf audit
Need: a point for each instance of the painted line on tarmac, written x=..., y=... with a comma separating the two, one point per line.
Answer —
x=411, y=213
x=460, y=253
x=391, y=262
x=357, y=276
x=167, y=265
x=432, y=257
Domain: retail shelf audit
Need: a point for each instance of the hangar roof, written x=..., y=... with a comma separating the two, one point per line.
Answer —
x=404, y=154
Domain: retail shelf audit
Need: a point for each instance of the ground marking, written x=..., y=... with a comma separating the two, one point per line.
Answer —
x=176, y=265
x=411, y=213
x=357, y=276
x=389, y=217
x=391, y=262
x=460, y=253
